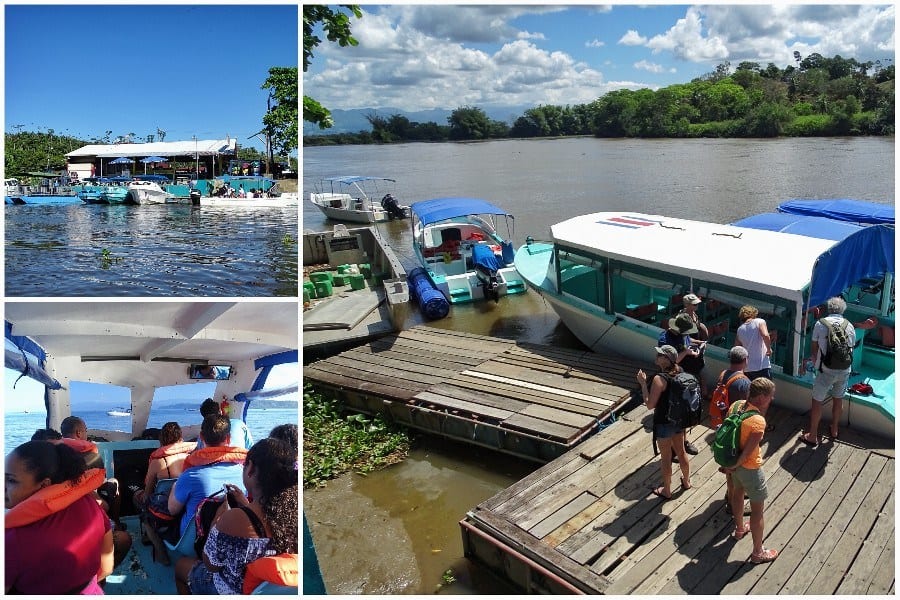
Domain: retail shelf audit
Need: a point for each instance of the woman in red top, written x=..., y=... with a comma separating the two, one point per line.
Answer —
x=55, y=550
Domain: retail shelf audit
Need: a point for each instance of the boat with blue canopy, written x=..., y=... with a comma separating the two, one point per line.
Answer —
x=615, y=279
x=145, y=354
x=457, y=242
x=842, y=209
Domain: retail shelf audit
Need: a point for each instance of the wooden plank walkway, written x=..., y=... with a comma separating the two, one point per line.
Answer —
x=587, y=522
x=529, y=400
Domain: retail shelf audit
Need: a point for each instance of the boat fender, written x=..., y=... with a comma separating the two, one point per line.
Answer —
x=173, y=449
x=53, y=498
x=215, y=454
x=280, y=569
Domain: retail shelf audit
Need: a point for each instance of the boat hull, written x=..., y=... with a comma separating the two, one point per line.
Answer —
x=342, y=207
x=620, y=334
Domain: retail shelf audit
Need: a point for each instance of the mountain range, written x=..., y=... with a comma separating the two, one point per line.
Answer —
x=354, y=120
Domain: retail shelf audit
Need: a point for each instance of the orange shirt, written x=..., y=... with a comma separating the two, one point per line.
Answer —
x=750, y=425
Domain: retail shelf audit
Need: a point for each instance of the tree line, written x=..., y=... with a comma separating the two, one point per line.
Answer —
x=818, y=97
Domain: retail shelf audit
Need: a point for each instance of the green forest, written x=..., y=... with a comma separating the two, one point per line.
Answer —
x=818, y=96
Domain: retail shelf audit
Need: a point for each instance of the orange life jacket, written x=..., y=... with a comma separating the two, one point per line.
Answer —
x=53, y=498
x=280, y=569
x=173, y=449
x=209, y=455
x=81, y=446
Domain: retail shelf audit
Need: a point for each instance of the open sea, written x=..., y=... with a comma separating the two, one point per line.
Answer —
x=77, y=249
x=19, y=427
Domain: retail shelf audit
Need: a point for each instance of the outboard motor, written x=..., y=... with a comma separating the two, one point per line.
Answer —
x=393, y=209
x=195, y=197
x=487, y=267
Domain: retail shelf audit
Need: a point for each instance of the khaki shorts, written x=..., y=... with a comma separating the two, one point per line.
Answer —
x=753, y=481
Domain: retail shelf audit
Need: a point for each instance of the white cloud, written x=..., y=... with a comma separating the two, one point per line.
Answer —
x=649, y=66
x=594, y=44
x=632, y=38
x=686, y=40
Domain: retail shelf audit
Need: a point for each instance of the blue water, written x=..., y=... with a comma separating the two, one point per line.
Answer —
x=159, y=250
x=19, y=427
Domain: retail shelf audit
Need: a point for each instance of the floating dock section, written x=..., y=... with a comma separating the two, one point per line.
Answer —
x=588, y=523
x=529, y=400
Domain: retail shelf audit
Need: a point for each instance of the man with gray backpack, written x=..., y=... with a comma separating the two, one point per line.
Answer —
x=832, y=344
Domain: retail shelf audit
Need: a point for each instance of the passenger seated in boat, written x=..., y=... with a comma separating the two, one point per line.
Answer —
x=248, y=529
x=74, y=435
x=166, y=462
x=239, y=432
x=46, y=434
x=206, y=469
x=287, y=433
x=58, y=541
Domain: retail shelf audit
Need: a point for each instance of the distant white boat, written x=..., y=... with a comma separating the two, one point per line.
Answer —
x=119, y=412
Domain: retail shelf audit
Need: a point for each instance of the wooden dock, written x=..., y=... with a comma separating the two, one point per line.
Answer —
x=588, y=523
x=529, y=400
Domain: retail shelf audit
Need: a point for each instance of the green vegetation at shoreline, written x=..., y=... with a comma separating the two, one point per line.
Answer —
x=335, y=442
x=819, y=97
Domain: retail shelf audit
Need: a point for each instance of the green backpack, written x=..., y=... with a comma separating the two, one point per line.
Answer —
x=727, y=445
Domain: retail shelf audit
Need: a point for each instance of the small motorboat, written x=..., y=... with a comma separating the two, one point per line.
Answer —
x=353, y=198
x=119, y=412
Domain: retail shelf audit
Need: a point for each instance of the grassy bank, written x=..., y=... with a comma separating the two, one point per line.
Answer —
x=335, y=441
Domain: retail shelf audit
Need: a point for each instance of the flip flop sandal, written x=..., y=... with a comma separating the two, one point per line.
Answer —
x=807, y=442
x=659, y=492
x=684, y=485
x=739, y=534
x=765, y=557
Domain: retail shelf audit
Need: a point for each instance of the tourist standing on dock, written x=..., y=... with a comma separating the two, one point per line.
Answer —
x=668, y=435
x=747, y=474
x=738, y=390
x=690, y=303
x=753, y=334
x=831, y=380
x=679, y=335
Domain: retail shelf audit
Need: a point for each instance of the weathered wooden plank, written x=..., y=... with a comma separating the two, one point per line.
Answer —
x=544, y=388
x=347, y=377
x=528, y=396
x=574, y=388
x=524, y=543
x=880, y=543
x=411, y=346
x=553, y=431
x=462, y=405
x=488, y=399
x=555, y=415
x=563, y=515
x=455, y=339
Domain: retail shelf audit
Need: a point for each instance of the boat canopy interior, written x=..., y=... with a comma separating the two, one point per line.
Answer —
x=144, y=346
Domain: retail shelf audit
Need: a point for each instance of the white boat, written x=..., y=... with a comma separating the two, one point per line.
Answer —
x=615, y=278
x=456, y=241
x=354, y=198
x=119, y=412
x=142, y=348
x=283, y=200
x=148, y=192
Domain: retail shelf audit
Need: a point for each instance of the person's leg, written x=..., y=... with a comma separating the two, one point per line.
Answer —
x=182, y=572
x=815, y=415
x=757, y=525
x=121, y=546
x=680, y=451
x=736, y=499
x=665, y=466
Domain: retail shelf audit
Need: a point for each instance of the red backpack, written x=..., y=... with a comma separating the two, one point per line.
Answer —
x=719, y=402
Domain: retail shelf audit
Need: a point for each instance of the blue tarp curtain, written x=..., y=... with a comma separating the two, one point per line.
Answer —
x=860, y=252
x=22, y=354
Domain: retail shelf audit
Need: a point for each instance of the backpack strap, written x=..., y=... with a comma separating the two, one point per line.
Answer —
x=734, y=377
x=254, y=520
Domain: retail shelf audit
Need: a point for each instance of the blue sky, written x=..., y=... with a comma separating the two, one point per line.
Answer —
x=417, y=57
x=188, y=70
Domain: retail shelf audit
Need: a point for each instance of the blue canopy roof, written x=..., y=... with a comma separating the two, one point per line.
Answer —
x=859, y=252
x=818, y=227
x=440, y=209
x=843, y=209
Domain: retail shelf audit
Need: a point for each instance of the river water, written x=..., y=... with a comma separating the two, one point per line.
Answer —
x=413, y=508
x=166, y=250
